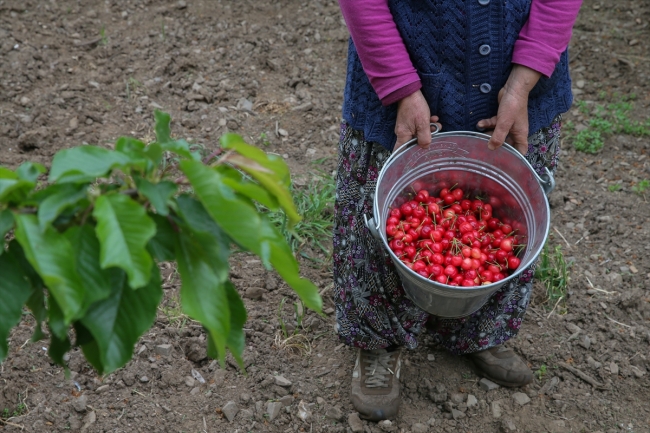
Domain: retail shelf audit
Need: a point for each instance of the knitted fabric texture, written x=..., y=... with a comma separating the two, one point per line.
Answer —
x=446, y=40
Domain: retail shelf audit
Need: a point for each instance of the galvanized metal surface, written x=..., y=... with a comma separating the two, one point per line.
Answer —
x=463, y=158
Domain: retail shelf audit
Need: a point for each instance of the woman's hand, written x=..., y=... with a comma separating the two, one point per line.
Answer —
x=511, y=121
x=414, y=120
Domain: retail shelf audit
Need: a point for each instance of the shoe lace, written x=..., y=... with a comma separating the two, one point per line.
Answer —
x=378, y=369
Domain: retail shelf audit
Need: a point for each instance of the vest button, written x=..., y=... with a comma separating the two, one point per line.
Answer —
x=484, y=2
x=484, y=50
x=485, y=88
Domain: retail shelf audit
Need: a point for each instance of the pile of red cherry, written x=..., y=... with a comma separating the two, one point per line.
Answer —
x=453, y=240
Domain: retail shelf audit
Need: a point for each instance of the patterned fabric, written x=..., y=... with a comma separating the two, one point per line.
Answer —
x=458, y=82
x=372, y=310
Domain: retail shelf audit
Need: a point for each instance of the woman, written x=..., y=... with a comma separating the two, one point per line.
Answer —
x=499, y=65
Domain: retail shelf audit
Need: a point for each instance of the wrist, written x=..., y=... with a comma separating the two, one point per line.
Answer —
x=522, y=79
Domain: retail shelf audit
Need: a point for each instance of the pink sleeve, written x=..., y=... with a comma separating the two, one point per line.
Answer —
x=381, y=50
x=546, y=34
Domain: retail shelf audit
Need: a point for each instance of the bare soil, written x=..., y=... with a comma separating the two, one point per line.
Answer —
x=75, y=72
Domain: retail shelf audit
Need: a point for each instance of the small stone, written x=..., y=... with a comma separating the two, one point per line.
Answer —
x=283, y=382
x=636, y=371
x=320, y=401
x=573, y=328
x=182, y=4
x=334, y=413
x=254, y=293
x=195, y=390
x=245, y=398
x=280, y=391
x=79, y=404
x=230, y=410
x=634, y=42
x=189, y=381
x=593, y=363
x=25, y=101
x=495, y=408
x=613, y=368
x=144, y=379
x=471, y=401
x=508, y=425
x=487, y=385
x=74, y=123
x=580, y=84
x=128, y=379
x=329, y=311
x=615, y=279
x=355, y=423
x=457, y=397
x=386, y=425
x=102, y=388
x=287, y=400
x=273, y=409
x=246, y=415
x=456, y=414
x=585, y=342
x=431, y=357
x=163, y=349
x=89, y=420
x=520, y=398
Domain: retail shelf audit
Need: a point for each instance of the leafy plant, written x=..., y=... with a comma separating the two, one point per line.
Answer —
x=552, y=271
x=264, y=139
x=541, y=372
x=605, y=120
x=614, y=187
x=315, y=202
x=641, y=187
x=82, y=250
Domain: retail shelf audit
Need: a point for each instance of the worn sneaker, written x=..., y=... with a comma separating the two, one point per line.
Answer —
x=375, y=384
x=502, y=365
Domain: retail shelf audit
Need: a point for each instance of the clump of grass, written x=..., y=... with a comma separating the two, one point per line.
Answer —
x=292, y=341
x=606, y=119
x=553, y=272
x=315, y=203
x=173, y=312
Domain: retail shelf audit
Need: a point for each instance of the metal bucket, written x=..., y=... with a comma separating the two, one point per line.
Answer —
x=463, y=158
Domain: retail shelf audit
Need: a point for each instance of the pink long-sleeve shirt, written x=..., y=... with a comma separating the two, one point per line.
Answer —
x=385, y=60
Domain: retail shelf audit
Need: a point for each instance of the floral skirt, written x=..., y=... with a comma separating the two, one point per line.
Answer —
x=372, y=310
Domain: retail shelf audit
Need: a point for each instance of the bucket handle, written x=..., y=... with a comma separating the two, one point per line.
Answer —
x=546, y=181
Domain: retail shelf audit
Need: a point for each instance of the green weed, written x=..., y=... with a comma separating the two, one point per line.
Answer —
x=173, y=312
x=293, y=341
x=315, y=203
x=264, y=139
x=553, y=272
x=541, y=372
x=614, y=187
x=606, y=119
x=102, y=34
x=641, y=187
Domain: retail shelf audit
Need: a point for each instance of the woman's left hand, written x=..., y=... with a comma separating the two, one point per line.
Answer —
x=511, y=121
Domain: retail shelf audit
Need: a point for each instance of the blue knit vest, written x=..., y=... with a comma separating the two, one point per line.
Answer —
x=462, y=50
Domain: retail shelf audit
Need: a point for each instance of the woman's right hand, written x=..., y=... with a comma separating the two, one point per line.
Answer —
x=414, y=120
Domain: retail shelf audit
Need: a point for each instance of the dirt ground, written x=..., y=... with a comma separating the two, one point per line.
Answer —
x=74, y=72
